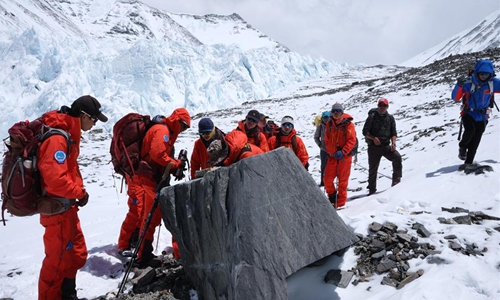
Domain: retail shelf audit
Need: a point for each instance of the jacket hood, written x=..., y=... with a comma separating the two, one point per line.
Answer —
x=65, y=122
x=484, y=65
x=236, y=140
x=180, y=114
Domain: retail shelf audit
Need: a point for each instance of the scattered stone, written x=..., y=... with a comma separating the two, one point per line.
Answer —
x=375, y=227
x=339, y=278
x=463, y=220
x=455, y=210
x=482, y=216
x=385, y=265
x=423, y=232
x=450, y=237
x=436, y=260
x=144, y=277
x=389, y=281
x=455, y=246
x=408, y=279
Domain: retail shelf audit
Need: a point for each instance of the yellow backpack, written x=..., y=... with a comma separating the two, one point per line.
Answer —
x=317, y=120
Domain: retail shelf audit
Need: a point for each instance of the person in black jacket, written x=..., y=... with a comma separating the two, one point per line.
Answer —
x=380, y=133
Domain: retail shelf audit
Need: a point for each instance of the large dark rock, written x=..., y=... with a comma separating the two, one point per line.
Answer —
x=243, y=229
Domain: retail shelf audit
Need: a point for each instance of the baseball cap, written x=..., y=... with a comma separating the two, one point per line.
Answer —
x=89, y=105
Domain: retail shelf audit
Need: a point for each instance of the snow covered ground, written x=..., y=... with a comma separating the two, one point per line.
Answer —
x=430, y=181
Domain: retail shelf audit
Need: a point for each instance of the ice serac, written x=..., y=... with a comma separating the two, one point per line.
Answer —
x=243, y=229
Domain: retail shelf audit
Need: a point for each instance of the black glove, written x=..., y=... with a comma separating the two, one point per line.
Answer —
x=307, y=166
x=460, y=81
x=83, y=201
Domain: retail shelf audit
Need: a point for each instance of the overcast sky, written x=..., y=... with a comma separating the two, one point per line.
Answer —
x=360, y=31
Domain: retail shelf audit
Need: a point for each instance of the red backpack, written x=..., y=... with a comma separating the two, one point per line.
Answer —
x=21, y=189
x=126, y=142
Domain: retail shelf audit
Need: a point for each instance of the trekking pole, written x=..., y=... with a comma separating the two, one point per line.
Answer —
x=460, y=130
x=143, y=232
x=158, y=237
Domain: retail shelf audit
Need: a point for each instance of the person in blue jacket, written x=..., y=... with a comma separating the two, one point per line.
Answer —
x=476, y=93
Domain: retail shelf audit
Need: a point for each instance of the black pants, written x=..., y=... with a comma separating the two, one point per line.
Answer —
x=324, y=157
x=375, y=153
x=473, y=132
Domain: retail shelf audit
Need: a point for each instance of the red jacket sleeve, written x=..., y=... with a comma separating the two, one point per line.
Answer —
x=60, y=176
x=351, y=139
x=272, y=143
x=160, y=148
x=302, y=151
x=199, y=158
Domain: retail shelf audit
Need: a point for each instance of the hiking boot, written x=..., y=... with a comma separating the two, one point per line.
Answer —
x=462, y=153
x=125, y=253
x=333, y=198
x=395, y=182
x=371, y=192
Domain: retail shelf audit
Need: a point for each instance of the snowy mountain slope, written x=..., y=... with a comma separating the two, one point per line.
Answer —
x=485, y=35
x=208, y=29
x=136, y=58
x=427, y=122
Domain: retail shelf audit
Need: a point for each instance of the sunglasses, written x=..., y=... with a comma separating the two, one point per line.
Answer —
x=205, y=132
x=184, y=125
x=287, y=125
x=252, y=120
x=336, y=110
x=94, y=119
x=382, y=105
x=483, y=74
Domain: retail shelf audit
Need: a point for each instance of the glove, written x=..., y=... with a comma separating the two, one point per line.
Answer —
x=83, y=201
x=460, y=81
x=338, y=155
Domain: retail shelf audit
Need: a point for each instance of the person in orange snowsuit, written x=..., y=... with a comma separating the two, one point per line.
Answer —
x=252, y=130
x=129, y=231
x=156, y=152
x=340, y=139
x=230, y=149
x=199, y=157
x=287, y=137
x=65, y=248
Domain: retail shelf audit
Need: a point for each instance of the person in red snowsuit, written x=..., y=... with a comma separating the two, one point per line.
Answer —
x=199, y=157
x=340, y=139
x=287, y=137
x=156, y=149
x=230, y=149
x=65, y=248
x=250, y=127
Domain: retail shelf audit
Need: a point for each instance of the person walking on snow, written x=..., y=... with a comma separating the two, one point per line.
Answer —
x=319, y=139
x=340, y=139
x=65, y=248
x=380, y=134
x=477, y=92
x=287, y=137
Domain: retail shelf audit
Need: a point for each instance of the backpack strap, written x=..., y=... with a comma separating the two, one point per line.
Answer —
x=56, y=131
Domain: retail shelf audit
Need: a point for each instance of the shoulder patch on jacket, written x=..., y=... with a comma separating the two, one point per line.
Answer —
x=165, y=138
x=60, y=156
